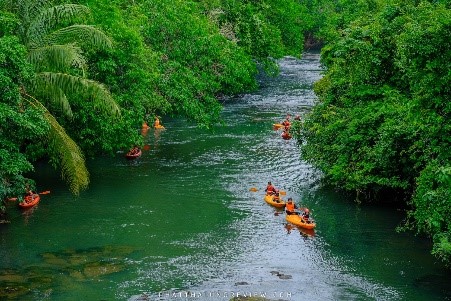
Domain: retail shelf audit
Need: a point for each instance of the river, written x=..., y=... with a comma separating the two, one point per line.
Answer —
x=180, y=223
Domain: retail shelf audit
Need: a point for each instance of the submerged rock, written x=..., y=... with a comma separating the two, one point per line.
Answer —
x=66, y=268
x=12, y=291
x=101, y=269
x=280, y=275
x=11, y=276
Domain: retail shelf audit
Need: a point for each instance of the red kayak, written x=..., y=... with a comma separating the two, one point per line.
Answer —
x=135, y=155
x=30, y=201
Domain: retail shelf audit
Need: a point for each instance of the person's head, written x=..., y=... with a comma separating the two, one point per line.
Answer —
x=290, y=200
x=269, y=183
x=306, y=210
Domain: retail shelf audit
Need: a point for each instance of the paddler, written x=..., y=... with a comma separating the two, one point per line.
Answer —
x=290, y=207
x=270, y=189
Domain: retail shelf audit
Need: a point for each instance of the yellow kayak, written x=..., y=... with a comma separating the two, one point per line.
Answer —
x=159, y=126
x=270, y=200
x=277, y=126
x=297, y=220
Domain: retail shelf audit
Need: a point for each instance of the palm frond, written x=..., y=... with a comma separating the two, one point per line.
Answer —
x=64, y=152
x=80, y=34
x=27, y=9
x=57, y=58
x=68, y=156
x=48, y=20
x=74, y=84
x=43, y=89
x=35, y=7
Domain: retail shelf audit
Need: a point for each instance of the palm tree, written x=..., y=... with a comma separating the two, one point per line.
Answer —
x=54, y=49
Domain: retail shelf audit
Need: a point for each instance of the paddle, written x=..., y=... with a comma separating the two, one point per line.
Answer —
x=277, y=126
x=281, y=192
x=15, y=199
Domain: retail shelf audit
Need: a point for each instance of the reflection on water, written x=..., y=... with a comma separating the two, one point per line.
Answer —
x=189, y=223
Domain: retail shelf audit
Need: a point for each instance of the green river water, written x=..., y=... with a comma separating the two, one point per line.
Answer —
x=180, y=222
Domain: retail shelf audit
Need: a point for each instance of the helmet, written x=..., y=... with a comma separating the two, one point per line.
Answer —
x=306, y=210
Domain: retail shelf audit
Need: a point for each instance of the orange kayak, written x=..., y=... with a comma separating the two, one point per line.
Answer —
x=30, y=201
x=277, y=126
x=297, y=220
x=270, y=200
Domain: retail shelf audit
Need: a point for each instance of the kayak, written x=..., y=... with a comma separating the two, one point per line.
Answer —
x=270, y=200
x=299, y=221
x=286, y=136
x=277, y=126
x=30, y=201
x=131, y=156
x=158, y=126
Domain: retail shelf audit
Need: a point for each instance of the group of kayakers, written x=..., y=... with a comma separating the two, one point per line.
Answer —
x=287, y=125
x=136, y=151
x=156, y=124
x=290, y=207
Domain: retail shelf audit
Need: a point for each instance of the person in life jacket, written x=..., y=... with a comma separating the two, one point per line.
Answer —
x=306, y=216
x=286, y=123
x=156, y=123
x=286, y=134
x=29, y=196
x=290, y=207
x=276, y=196
x=270, y=189
x=134, y=150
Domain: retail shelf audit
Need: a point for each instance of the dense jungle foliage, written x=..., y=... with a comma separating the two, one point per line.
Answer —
x=78, y=78
x=382, y=125
x=90, y=72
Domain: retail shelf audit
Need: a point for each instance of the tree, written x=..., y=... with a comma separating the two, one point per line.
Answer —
x=382, y=126
x=19, y=123
x=53, y=38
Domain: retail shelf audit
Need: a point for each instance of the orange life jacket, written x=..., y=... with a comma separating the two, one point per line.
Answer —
x=270, y=189
x=286, y=123
x=289, y=206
